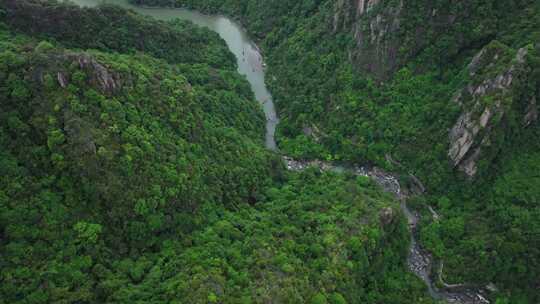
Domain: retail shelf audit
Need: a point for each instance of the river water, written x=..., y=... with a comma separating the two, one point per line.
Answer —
x=250, y=64
x=249, y=58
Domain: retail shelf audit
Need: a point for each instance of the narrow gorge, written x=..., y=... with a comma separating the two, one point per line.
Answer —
x=250, y=64
x=250, y=152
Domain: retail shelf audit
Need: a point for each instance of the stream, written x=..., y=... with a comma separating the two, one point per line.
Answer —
x=420, y=261
x=251, y=65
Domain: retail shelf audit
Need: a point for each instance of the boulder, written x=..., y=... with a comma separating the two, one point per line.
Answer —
x=386, y=216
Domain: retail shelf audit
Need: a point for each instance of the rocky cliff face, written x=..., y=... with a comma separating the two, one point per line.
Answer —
x=390, y=33
x=373, y=26
x=349, y=11
x=487, y=103
x=99, y=76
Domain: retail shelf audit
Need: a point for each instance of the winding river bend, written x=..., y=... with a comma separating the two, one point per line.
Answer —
x=249, y=59
x=250, y=64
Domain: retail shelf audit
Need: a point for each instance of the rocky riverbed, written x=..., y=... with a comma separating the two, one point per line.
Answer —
x=420, y=261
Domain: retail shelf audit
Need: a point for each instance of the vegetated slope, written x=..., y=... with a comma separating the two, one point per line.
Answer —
x=317, y=239
x=415, y=86
x=130, y=174
x=111, y=28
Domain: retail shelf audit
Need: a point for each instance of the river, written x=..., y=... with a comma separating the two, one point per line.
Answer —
x=249, y=58
x=250, y=64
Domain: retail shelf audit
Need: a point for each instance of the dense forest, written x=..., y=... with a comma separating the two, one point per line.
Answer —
x=133, y=167
x=415, y=87
x=133, y=170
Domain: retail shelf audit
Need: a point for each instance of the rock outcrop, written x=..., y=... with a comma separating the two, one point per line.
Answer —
x=387, y=216
x=62, y=80
x=100, y=76
x=390, y=33
x=348, y=11
x=485, y=104
x=79, y=133
x=372, y=25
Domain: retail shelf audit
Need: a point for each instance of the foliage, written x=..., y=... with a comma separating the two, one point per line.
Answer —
x=330, y=108
x=137, y=173
x=111, y=28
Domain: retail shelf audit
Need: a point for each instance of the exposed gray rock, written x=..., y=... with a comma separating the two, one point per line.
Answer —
x=531, y=114
x=62, y=80
x=373, y=23
x=366, y=6
x=387, y=216
x=376, y=46
x=385, y=180
x=387, y=36
x=471, y=133
x=107, y=81
x=492, y=287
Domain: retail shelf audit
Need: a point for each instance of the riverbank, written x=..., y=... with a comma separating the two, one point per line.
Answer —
x=237, y=39
x=419, y=261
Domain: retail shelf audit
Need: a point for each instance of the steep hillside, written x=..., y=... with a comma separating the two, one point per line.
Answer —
x=389, y=34
x=444, y=90
x=133, y=170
